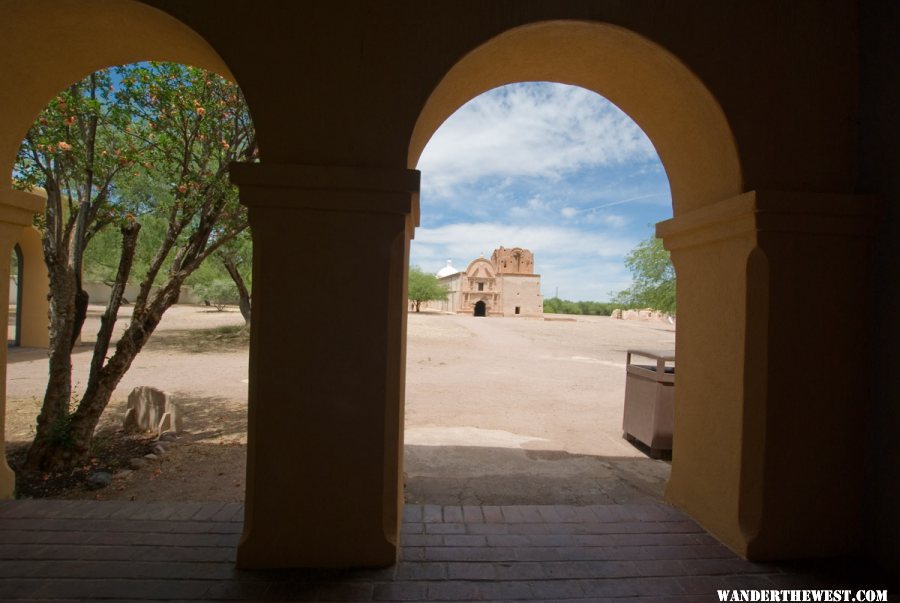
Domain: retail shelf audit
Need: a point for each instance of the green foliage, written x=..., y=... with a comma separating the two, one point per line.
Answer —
x=555, y=305
x=219, y=292
x=63, y=143
x=653, y=278
x=141, y=151
x=424, y=286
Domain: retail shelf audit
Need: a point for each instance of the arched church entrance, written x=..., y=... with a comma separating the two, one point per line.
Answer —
x=480, y=309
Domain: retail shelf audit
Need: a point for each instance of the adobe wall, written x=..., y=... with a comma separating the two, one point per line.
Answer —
x=523, y=292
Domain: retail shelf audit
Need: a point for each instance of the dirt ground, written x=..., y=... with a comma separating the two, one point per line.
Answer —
x=499, y=410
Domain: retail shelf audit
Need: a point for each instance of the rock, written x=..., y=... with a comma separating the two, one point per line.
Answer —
x=617, y=314
x=99, y=479
x=158, y=449
x=151, y=457
x=122, y=474
x=151, y=409
x=168, y=436
x=137, y=463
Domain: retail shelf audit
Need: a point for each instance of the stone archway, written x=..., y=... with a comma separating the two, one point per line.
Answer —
x=692, y=137
x=480, y=308
x=745, y=260
x=726, y=256
x=152, y=35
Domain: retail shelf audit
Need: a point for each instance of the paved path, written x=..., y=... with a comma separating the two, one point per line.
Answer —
x=85, y=550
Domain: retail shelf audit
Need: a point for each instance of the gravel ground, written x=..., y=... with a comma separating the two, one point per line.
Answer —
x=499, y=410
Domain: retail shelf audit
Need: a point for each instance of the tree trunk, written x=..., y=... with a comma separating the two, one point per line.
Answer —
x=49, y=450
x=243, y=292
x=63, y=439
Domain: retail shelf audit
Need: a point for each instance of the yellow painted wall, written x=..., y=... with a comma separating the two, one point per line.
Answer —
x=740, y=99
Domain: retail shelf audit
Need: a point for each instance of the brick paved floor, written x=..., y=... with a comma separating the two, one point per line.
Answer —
x=84, y=550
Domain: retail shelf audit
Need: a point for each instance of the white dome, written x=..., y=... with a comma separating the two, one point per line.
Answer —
x=447, y=270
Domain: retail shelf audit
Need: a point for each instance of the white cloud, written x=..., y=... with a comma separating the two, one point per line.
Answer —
x=530, y=130
x=569, y=212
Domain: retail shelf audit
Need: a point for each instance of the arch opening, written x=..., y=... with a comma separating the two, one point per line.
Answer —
x=16, y=283
x=685, y=123
x=122, y=33
x=533, y=171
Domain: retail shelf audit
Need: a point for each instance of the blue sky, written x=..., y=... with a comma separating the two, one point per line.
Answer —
x=553, y=168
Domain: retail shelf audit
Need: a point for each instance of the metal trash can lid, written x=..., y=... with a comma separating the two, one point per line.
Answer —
x=666, y=355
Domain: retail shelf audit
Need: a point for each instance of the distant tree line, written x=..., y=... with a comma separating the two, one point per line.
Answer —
x=555, y=305
x=652, y=286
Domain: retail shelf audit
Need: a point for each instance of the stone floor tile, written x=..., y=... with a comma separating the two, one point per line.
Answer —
x=453, y=514
x=207, y=511
x=412, y=513
x=401, y=591
x=556, y=590
x=421, y=571
x=345, y=591
x=537, y=553
x=453, y=591
x=472, y=514
x=498, y=590
x=464, y=540
x=471, y=571
x=492, y=513
x=412, y=528
x=549, y=514
x=445, y=528
x=432, y=513
x=487, y=528
x=182, y=551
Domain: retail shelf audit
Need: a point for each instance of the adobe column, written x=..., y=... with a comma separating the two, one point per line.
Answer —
x=16, y=211
x=772, y=387
x=327, y=363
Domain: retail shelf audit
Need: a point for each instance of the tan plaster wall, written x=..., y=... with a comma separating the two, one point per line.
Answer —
x=522, y=291
x=35, y=285
x=735, y=96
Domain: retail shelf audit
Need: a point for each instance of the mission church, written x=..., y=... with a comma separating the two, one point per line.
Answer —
x=505, y=285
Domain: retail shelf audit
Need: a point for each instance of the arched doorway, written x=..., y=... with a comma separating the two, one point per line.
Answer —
x=32, y=287
x=480, y=309
x=16, y=271
x=102, y=22
x=692, y=137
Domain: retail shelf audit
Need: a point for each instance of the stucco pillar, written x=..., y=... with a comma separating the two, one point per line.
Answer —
x=772, y=370
x=35, y=285
x=327, y=363
x=16, y=210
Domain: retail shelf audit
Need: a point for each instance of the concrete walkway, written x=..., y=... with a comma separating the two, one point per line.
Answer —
x=85, y=550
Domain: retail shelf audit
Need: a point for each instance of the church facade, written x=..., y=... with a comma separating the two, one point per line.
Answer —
x=505, y=285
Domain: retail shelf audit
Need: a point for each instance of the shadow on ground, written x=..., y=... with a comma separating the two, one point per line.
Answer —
x=474, y=475
x=228, y=338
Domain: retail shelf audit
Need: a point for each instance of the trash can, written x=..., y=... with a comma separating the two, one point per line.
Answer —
x=649, y=397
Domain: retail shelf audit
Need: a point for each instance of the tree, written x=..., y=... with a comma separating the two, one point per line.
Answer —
x=237, y=258
x=424, y=286
x=653, y=278
x=219, y=292
x=141, y=144
x=228, y=279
